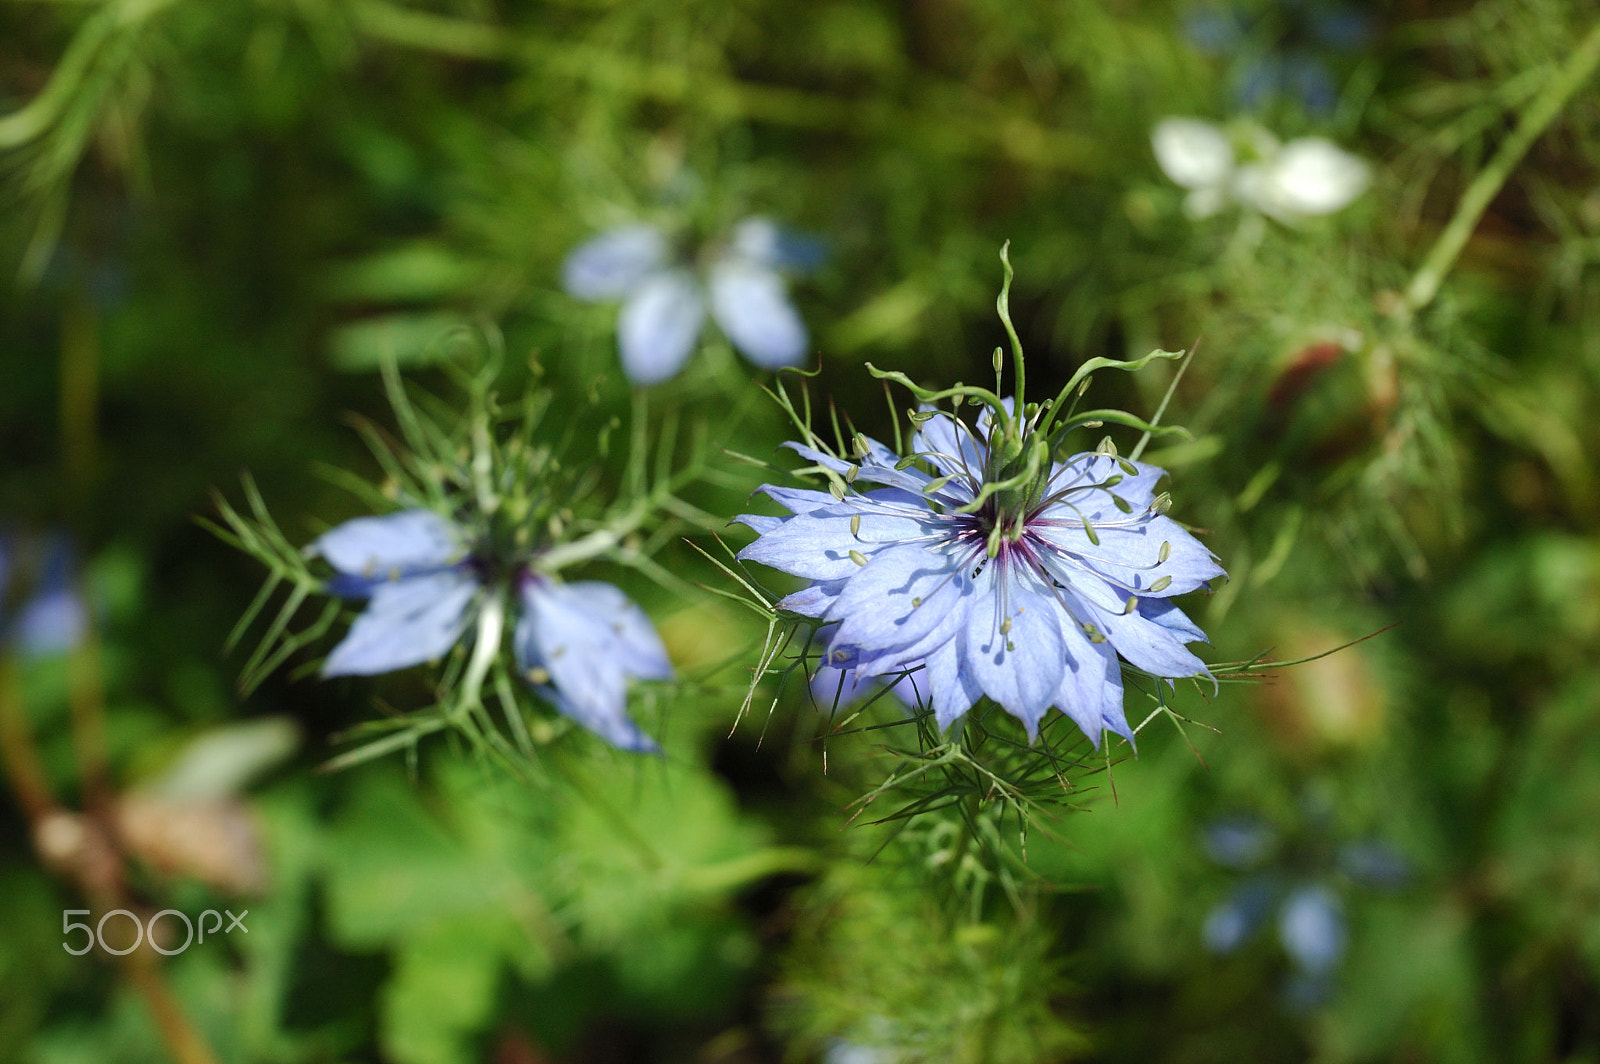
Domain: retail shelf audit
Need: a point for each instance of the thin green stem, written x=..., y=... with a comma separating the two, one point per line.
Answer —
x=1476, y=199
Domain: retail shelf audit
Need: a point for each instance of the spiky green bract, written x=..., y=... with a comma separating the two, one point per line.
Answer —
x=486, y=517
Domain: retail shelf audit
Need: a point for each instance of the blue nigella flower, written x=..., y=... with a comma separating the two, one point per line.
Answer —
x=1310, y=911
x=665, y=298
x=53, y=619
x=578, y=644
x=1024, y=595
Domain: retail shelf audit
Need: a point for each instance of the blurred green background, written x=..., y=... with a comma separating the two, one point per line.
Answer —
x=218, y=220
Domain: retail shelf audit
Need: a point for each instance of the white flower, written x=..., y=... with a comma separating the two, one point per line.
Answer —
x=1306, y=178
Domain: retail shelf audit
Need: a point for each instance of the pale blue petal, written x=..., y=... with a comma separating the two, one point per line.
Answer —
x=761, y=524
x=1172, y=619
x=1129, y=551
x=874, y=470
x=659, y=325
x=406, y=622
x=638, y=646
x=1091, y=684
x=818, y=545
x=1021, y=668
x=907, y=599
x=588, y=643
x=1145, y=643
x=813, y=601
x=1311, y=925
x=390, y=546
x=950, y=445
x=613, y=264
x=1093, y=479
x=618, y=729
x=53, y=622
x=753, y=310
x=953, y=691
x=797, y=500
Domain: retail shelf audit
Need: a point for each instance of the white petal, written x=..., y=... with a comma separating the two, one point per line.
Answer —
x=659, y=326
x=751, y=306
x=1309, y=177
x=1194, y=154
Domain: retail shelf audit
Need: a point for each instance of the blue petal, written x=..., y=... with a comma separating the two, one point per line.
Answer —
x=797, y=500
x=390, y=546
x=818, y=545
x=1085, y=471
x=751, y=307
x=1170, y=617
x=953, y=691
x=951, y=445
x=1021, y=668
x=407, y=622
x=1091, y=685
x=1144, y=643
x=879, y=468
x=54, y=620
x=659, y=325
x=618, y=729
x=905, y=603
x=1232, y=923
x=589, y=642
x=761, y=524
x=771, y=245
x=613, y=264
x=813, y=601
x=638, y=646
x=1311, y=925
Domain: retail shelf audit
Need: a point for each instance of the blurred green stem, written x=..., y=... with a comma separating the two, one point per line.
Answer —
x=1540, y=113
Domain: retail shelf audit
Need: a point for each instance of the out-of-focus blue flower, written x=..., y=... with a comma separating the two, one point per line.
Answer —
x=1280, y=52
x=1028, y=602
x=578, y=643
x=53, y=620
x=1311, y=927
x=1238, y=842
x=1231, y=924
x=1310, y=912
x=664, y=299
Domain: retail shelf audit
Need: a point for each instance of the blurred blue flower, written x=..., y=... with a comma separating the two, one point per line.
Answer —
x=665, y=298
x=1030, y=608
x=578, y=644
x=53, y=620
x=1280, y=51
x=1310, y=912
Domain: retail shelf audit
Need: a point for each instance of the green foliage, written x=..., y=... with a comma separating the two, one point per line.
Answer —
x=229, y=227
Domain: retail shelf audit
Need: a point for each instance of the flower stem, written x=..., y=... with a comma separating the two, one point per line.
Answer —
x=1476, y=199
